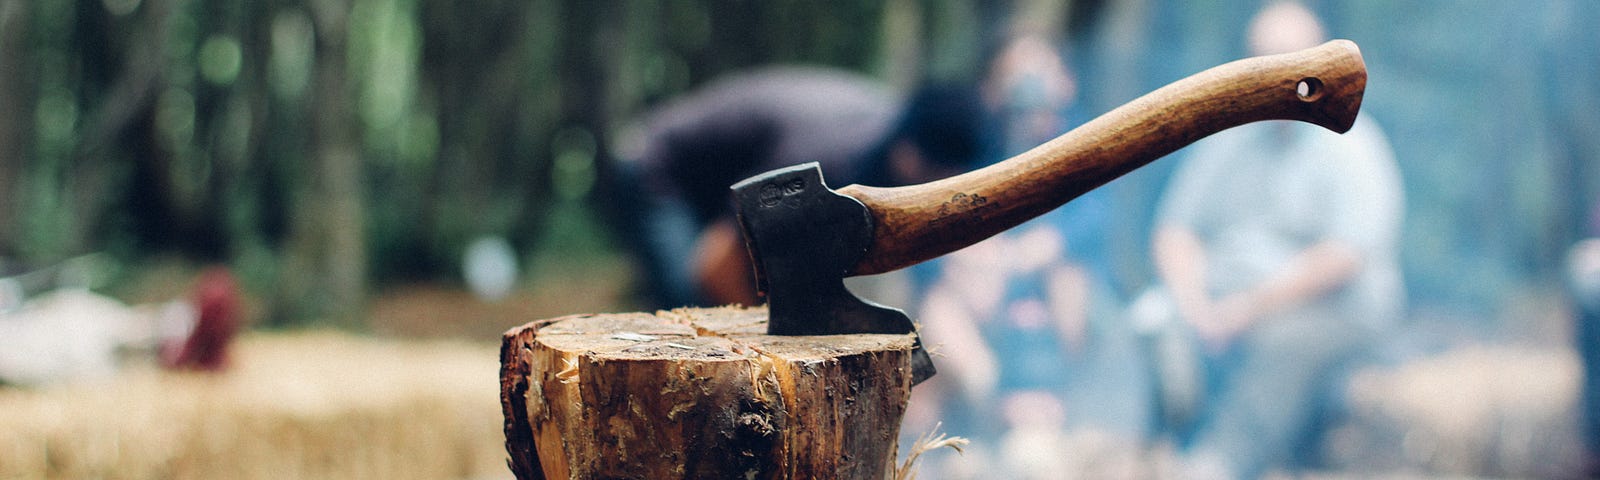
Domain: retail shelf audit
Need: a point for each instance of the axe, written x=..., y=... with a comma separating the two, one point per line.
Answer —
x=805, y=237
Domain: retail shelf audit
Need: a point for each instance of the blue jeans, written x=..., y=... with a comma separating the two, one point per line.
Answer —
x=1588, y=340
x=660, y=231
x=1267, y=392
x=1583, y=284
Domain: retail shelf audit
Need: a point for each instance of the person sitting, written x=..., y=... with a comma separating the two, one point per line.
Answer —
x=1277, y=247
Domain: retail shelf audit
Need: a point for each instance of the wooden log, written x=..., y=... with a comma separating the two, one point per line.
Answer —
x=699, y=393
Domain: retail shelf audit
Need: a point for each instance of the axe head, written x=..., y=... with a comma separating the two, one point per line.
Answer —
x=804, y=238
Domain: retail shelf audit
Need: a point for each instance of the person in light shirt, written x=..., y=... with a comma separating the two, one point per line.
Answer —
x=1276, y=245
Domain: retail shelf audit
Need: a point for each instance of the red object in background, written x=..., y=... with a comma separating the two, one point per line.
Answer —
x=216, y=300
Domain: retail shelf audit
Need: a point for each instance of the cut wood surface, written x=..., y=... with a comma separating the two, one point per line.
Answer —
x=699, y=393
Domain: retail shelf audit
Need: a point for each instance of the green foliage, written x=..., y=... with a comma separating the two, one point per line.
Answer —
x=244, y=131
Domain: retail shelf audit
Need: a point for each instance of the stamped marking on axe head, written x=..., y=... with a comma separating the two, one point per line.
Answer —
x=822, y=235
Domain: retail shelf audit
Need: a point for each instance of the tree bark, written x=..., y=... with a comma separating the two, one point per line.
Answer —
x=699, y=393
x=16, y=111
x=325, y=273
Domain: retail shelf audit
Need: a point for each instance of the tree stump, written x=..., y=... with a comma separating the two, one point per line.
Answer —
x=699, y=393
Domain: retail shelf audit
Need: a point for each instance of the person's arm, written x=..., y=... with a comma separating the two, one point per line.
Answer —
x=1181, y=262
x=1366, y=204
x=1311, y=274
x=721, y=266
x=952, y=334
x=1180, y=255
x=1069, y=288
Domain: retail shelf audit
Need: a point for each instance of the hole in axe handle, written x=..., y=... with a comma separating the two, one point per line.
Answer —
x=1309, y=89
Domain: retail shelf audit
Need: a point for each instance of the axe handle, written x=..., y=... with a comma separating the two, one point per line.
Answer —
x=1321, y=85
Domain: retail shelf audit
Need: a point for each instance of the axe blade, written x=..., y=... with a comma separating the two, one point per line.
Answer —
x=803, y=239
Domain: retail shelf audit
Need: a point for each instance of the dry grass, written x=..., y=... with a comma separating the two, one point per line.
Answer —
x=933, y=440
x=306, y=405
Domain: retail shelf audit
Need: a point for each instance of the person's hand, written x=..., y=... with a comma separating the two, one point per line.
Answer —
x=1214, y=334
x=1218, y=323
x=949, y=328
x=722, y=266
x=1231, y=317
x=1201, y=315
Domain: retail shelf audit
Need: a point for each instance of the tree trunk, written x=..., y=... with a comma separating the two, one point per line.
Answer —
x=699, y=393
x=15, y=113
x=325, y=273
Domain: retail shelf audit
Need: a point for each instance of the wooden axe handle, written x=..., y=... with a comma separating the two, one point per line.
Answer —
x=1320, y=85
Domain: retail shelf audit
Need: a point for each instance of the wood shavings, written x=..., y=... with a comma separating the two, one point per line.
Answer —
x=928, y=441
x=570, y=373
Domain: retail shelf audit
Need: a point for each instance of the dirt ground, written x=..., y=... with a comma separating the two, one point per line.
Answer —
x=315, y=404
x=414, y=395
x=450, y=311
x=1467, y=409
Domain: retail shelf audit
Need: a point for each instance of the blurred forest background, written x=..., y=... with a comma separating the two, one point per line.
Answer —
x=331, y=149
x=342, y=155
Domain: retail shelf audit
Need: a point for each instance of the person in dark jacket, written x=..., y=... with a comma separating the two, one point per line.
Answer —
x=675, y=173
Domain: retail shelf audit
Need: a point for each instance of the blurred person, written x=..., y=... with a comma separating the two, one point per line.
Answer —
x=53, y=329
x=1276, y=244
x=675, y=207
x=1583, y=282
x=62, y=336
x=1025, y=321
x=1028, y=352
x=68, y=333
x=204, y=344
